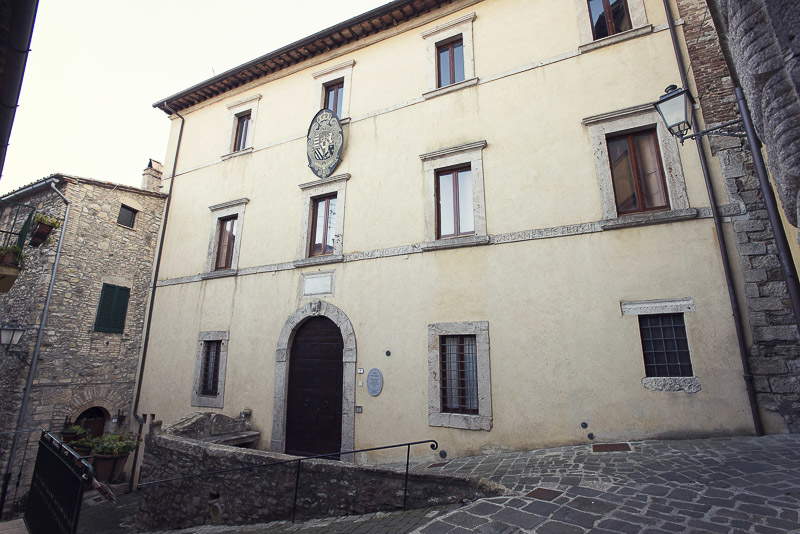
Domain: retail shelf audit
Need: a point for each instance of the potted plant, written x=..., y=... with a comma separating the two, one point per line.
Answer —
x=82, y=446
x=11, y=256
x=42, y=226
x=110, y=451
x=72, y=433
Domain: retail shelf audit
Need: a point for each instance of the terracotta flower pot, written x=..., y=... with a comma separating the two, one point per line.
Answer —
x=108, y=468
x=40, y=233
x=9, y=258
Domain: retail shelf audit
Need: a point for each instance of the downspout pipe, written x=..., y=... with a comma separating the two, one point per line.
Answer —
x=758, y=426
x=146, y=341
x=36, y=352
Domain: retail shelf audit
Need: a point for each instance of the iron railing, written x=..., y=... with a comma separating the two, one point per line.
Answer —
x=15, y=223
x=299, y=461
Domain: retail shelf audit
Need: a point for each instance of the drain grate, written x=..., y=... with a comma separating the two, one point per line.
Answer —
x=611, y=447
x=441, y=464
x=544, y=494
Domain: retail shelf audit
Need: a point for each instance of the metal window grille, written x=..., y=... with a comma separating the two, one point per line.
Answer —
x=666, y=350
x=209, y=378
x=459, y=374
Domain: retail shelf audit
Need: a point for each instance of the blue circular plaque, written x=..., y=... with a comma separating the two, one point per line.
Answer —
x=374, y=382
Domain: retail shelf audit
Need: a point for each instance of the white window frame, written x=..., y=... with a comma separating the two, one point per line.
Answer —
x=471, y=154
x=220, y=211
x=585, y=34
x=236, y=109
x=333, y=73
x=483, y=420
x=462, y=25
x=628, y=120
x=218, y=400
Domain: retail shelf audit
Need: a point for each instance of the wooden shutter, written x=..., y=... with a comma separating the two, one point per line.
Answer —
x=112, y=309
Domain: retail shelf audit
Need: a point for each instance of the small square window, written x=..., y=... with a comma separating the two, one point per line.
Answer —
x=664, y=344
x=609, y=17
x=242, y=130
x=637, y=173
x=226, y=230
x=459, y=372
x=112, y=309
x=323, y=226
x=209, y=374
x=450, y=62
x=127, y=216
x=454, y=198
x=334, y=96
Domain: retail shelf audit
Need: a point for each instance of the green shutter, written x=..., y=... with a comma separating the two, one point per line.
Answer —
x=112, y=309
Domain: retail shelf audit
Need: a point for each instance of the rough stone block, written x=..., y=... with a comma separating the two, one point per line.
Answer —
x=767, y=366
x=776, y=333
x=785, y=384
x=765, y=303
x=752, y=249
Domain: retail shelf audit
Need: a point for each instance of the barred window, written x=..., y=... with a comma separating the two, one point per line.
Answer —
x=209, y=377
x=459, y=374
x=666, y=350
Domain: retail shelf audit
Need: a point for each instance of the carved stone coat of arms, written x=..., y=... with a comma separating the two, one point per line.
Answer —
x=324, y=143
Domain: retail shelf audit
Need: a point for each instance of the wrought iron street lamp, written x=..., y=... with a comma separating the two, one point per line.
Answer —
x=10, y=335
x=676, y=108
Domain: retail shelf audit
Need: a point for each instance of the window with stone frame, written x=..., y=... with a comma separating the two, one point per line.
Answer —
x=210, y=369
x=454, y=202
x=450, y=61
x=240, y=137
x=664, y=345
x=126, y=216
x=637, y=172
x=323, y=226
x=226, y=232
x=459, y=380
x=334, y=97
x=225, y=240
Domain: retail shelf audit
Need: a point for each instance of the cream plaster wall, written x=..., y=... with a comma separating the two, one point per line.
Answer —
x=561, y=352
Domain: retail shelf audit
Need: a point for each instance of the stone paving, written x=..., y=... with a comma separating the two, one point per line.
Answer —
x=720, y=485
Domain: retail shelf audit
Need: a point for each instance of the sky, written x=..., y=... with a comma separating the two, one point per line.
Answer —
x=97, y=66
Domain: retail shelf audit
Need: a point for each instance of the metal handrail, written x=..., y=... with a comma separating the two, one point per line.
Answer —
x=433, y=444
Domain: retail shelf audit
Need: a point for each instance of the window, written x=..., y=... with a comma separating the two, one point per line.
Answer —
x=127, y=216
x=636, y=171
x=240, y=138
x=454, y=203
x=209, y=371
x=209, y=374
x=450, y=62
x=459, y=379
x=459, y=374
x=226, y=230
x=664, y=344
x=334, y=96
x=323, y=226
x=112, y=309
x=609, y=17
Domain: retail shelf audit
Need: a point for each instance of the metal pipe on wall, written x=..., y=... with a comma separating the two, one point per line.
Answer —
x=36, y=351
x=758, y=426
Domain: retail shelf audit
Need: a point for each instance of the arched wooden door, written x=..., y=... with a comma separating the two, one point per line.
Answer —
x=314, y=401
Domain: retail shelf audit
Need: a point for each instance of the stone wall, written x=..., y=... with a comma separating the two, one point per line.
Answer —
x=78, y=367
x=327, y=488
x=773, y=331
x=761, y=38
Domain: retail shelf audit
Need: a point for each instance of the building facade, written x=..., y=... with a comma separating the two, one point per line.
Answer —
x=513, y=252
x=90, y=347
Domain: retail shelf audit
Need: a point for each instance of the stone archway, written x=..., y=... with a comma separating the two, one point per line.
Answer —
x=282, y=354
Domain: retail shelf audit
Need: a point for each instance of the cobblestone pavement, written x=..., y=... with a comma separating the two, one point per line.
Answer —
x=377, y=523
x=719, y=485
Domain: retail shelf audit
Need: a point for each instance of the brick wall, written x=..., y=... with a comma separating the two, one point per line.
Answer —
x=773, y=351
x=78, y=367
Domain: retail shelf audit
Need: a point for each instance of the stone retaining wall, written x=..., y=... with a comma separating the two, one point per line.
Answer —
x=327, y=488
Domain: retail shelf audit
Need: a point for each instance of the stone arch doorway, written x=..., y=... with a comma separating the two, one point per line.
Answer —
x=94, y=420
x=284, y=353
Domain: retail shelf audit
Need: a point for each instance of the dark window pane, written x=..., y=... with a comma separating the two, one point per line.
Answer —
x=459, y=374
x=444, y=66
x=620, y=16
x=458, y=62
x=209, y=378
x=127, y=216
x=622, y=175
x=663, y=339
x=227, y=241
x=598, y=15
x=242, y=126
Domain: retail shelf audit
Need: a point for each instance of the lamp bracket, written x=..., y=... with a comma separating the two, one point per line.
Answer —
x=716, y=130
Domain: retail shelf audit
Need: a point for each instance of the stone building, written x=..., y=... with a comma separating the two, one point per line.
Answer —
x=772, y=327
x=512, y=252
x=90, y=347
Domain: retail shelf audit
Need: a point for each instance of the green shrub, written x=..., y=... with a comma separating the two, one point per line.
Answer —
x=113, y=444
x=46, y=219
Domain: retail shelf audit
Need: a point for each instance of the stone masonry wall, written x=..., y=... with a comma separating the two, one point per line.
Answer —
x=763, y=41
x=78, y=367
x=327, y=488
x=774, y=353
